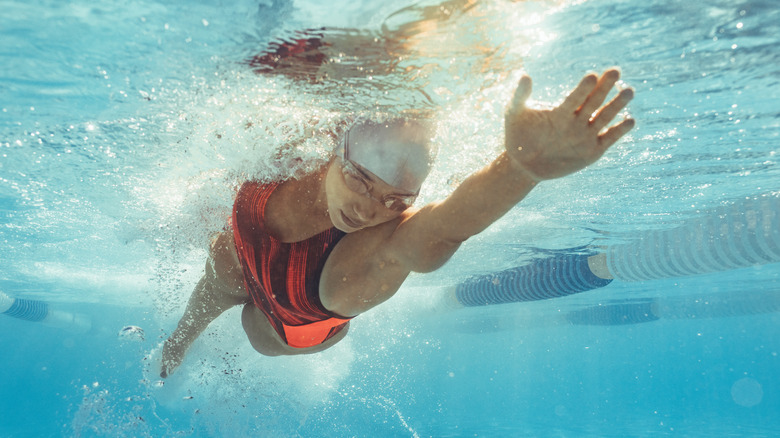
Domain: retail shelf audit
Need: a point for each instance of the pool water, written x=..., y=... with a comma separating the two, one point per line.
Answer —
x=125, y=129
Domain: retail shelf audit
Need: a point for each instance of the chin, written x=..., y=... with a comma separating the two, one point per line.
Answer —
x=344, y=228
x=338, y=223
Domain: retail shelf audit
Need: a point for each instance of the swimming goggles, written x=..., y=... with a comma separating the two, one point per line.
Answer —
x=359, y=182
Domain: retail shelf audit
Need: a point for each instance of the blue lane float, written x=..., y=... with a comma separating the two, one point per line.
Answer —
x=744, y=234
x=552, y=277
x=29, y=310
x=41, y=312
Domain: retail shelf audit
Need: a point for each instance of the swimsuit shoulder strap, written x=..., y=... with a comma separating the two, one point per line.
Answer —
x=254, y=196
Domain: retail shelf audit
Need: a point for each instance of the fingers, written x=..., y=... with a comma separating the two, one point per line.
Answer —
x=522, y=93
x=599, y=93
x=578, y=96
x=610, y=110
x=614, y=133
x=164, y=370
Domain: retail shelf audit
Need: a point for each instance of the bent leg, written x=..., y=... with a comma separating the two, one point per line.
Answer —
x=220, y=289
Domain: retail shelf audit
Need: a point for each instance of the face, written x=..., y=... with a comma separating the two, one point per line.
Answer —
x=359, y=199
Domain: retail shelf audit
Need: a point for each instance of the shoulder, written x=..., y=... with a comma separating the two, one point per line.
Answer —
x=378, y=246
x=362, y=271
x=255, y=194
x=372, y=240
x=252, y=202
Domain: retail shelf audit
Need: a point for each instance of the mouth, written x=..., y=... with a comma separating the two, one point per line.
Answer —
x=351, y=223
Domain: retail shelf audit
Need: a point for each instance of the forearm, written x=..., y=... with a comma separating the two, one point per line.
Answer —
x=540, y=145
x=481, y=199
x=429, y=237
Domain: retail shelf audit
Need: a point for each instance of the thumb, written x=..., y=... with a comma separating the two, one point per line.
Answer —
x=522, y=93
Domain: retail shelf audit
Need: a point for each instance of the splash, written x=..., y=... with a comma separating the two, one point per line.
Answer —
x=230, y=386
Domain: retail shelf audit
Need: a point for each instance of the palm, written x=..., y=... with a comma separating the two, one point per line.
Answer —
x=553, y=143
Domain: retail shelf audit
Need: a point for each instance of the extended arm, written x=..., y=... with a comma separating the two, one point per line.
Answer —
x=367, y=267
x=540, y=145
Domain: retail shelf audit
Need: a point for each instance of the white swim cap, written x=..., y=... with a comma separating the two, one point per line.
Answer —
x=398, y=151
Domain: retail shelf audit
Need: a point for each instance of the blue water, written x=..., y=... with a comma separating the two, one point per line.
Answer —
x=125, y=127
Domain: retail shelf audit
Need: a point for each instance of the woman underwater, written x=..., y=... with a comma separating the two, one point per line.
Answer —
x=306, y=255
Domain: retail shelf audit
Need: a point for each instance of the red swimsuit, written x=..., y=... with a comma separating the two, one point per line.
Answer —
x=283, y=278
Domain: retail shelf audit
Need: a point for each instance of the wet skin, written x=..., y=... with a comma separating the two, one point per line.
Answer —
x=383, y=246
x=222, y=285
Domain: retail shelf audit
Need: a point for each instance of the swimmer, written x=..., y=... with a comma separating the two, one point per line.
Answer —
x=305, y=256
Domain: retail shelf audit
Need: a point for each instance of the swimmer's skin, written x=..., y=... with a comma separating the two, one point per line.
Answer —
x=369, y=265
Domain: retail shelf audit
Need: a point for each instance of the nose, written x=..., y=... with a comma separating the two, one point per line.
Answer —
x=365, y=209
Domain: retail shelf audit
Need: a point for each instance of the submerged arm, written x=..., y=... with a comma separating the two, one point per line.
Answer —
x=429, y=237
x=540, y=145
x=367, y=267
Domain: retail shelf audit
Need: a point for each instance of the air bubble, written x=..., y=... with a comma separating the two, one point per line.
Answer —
x=131, y=333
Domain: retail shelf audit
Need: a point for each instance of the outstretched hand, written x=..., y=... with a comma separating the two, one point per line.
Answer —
x=549, y=144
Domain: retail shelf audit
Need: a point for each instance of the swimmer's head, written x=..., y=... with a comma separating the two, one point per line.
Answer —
x=398, y=151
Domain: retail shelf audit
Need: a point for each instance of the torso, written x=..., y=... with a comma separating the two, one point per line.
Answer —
x=359, y=273
x=283, y=277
